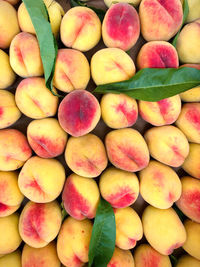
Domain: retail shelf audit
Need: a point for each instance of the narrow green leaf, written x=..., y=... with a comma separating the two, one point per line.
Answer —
x=173, y=260
x=48, y=46
x=102, y=242
x=154, y=84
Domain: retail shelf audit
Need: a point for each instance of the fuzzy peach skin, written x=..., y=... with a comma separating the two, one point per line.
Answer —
x=86, y=155
x=160, y=186
x=189, y=202
x=80, y=28
x=194, y=10
x=157, y=54
x=121, y=258
x=110, y=65
x=192, y=162
x=40, y=257
x=128, y=228
x=14, y=150
x=188, y=51
x=12, y=2
x=10, y=238
x=8, y=24
x=72, y=70
x=9, y=112
x=119, y=110
x=163, y=229
x=73, y=242
x=133, y=2
x=80, y=197
x=146, y=256
x=192, y=244
x=160, y=113
x=40, y=223
x=119, y=188
x=10, y=196
x=41, y=180
x=45, y=142
x=187, y=261
x=127, y=149
x=7, y=75
x=168, y=145
x=34, y=99
x=11, y=260
x=79, y=112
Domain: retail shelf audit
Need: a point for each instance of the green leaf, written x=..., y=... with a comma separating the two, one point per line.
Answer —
x=185, y=14
x=47, y=43
x=154, y=84
x=102, y=242
x=173, y=260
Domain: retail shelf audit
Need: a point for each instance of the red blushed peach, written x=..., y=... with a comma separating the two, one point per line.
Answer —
x=14, y=150
x=192, y=163
x=39, y=224
x=80, y=197
x=45, y=142
x=12, y=2
x=79, y=113
x=157, y=54
x=168, y=145
x=160, y=20
x=163, y=112
x=119, y=188
x=121, y=258
x=86, y=155
x=127, y=149
x=121, y=26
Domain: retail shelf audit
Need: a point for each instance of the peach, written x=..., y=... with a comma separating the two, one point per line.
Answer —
x=40, y=223
x=128, y=228
x=192, y=163
x=160, y=186
x=192, y=243
x=189, y=202
x=127, y=149
x=121, y=258
x=7, y=76
x=73, y=242
x=10, y=196
x=168, y=145
x=86, y=155
x=160, y=113
x=80, y=197
x=132, y=2
x=119, y=110
x=14, y=150
x=72, y=70
x=40, y=257
x=34, y=99
x=12, y=2
x=194, y=10
x=45, y=142
x=41, y=180
x=110, y=65
x=79, y=112
x=8, y=24
x=160, y=20
x=188, y=51
x=163, y=229
x=10, y=238
x=9, y=112
x=146, y=256
x=11, y=260
x=119, y=188
x=186, y=261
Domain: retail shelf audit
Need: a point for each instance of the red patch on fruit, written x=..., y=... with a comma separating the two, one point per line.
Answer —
x=158, y=177
x=77, y=261
x=3, y=207
x=191, y=201
x=170, y=197
x=19, y=54
x=124, y=198
x=1, y=111
x=151, y=260
x=177, y=152
x=129, y=113
x=173, y=247
x=193, y=116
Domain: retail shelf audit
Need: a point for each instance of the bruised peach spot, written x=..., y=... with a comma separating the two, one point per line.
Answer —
x=193, y=116
x=122, y=198
x=130, y=115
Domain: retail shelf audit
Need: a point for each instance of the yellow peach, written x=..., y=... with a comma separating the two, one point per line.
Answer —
x=7, y=76
x=192, y=162
x=121, y=258
x=194, y=10
x=11, y=260
x=186, y=260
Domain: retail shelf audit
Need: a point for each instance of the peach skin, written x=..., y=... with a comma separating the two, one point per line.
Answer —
x=119, y=110
x=132, y=2
x=14, y=150
x=7, y=75
x=111, y=65
x=187, y=260
x=194, y=10
x=121, y=258
x=72, y=70
x=45, y=142
x=12, y=2
x=79, y=112
x=86, y=155
x=73, y=242
x=168, y=145
x=127, y=149
x=11, y=260
x=119, y=188
x=39, y=223
x=160, y=186
x=80, y=197
x=9, y=112
x=192, y=162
